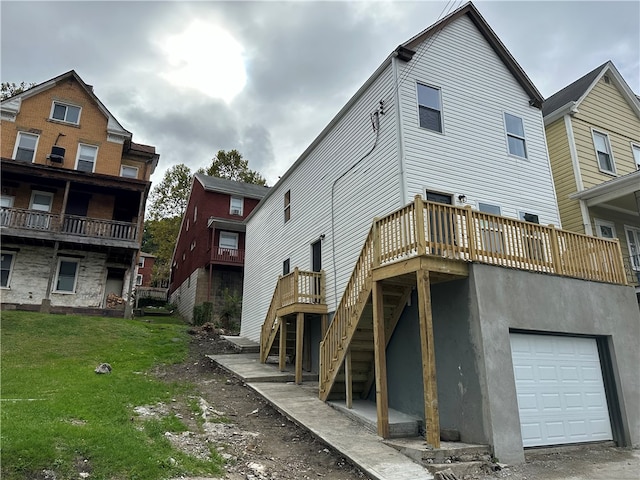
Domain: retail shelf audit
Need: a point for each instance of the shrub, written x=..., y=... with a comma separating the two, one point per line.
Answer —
x=202, y=313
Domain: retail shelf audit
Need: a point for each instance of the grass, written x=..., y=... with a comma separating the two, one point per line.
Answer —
x=56, y=412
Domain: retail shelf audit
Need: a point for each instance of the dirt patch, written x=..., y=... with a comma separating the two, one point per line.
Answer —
x=257, y=442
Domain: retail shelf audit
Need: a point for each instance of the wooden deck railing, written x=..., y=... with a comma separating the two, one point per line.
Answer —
x=227, y=255
x=428, y=228
x=71, y=224
x=298, y=286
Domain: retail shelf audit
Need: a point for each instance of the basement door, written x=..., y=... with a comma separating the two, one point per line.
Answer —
x=561, y=396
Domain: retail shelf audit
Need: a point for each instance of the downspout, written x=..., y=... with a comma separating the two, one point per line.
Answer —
x=402, y=180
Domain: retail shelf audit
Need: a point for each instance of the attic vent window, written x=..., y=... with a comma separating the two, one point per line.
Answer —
x=65, y=113
x=606, y=80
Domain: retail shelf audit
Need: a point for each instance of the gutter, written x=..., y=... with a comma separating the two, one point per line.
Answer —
x=570, y=108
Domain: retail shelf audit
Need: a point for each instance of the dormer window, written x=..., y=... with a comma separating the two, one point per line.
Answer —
x=65, y=113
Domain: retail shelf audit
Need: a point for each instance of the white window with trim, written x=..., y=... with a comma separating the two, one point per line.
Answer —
x=430, y=107
x=65, y=112
x=6, y=267
x=516, y=143
x=604, y=154
x=26, y=146
x=67, y=275
x=228, y=243
x=236, y=206
x=138, y=279
x=141, y=262
x=6, y=201
x=490, y=230
x=287, y=206
x=605, y=229
x=86, y=161
x=128, y=171
x=635, y=149
x=633, y=244
x=40, y=205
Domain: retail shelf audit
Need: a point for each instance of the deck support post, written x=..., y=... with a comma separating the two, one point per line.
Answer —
x=429, y=380
x=299, y=342
x=324, y=324
x=379, y=342
x=348, y=379
x=282, y=347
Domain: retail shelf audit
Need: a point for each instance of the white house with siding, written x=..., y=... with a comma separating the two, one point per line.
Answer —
x=472, y=90
x=419, y=322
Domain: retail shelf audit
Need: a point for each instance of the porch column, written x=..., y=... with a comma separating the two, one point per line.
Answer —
x=128, y=306
x=65, y=200
x=429, y=379
x=348, y=379
x=380, y=361
x=45, y=305
x=299, y=341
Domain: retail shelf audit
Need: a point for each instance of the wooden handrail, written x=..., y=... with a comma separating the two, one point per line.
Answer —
x=429, y=228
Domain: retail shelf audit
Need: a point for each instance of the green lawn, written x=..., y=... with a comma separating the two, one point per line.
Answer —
x=56, y=412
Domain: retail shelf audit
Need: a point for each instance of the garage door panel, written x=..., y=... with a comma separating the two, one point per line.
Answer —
x=560, y=391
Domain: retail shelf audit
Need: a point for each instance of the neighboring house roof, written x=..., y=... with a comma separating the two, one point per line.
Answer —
x=570, y=97
x=616, y=187
x=405, y=52
x=231, y=187
x=11, y=106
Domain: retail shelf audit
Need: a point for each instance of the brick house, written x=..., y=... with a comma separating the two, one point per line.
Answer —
x=209, y=256
x=144, y=269
x=74, y=188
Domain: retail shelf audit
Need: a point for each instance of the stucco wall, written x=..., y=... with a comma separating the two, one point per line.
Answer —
x=511, y=299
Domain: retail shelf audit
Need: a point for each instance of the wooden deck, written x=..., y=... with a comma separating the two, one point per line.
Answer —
x=411, y=248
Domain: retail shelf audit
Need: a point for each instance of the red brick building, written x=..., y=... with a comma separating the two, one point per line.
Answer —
x=209, y=255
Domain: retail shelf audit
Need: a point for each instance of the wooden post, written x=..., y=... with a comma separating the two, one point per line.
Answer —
x=282, y=349
x=299, y=340
x=348, y=379
x=65, y=200
x=323, y=290
x=296, y=273
x=471, y=232
x=421, y=240
x=324, y=324
x=620, y=274
x=429, y=379
x=555, y=250
x=379, y=342
x=376, y=243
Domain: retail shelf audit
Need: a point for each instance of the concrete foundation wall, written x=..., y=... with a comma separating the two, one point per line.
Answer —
x=511, y=299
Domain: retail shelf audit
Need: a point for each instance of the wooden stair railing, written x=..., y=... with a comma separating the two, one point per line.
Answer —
x=271, y=324
x=345, y=321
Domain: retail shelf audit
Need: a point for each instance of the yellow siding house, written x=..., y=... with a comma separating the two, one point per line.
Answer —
x=593, y=135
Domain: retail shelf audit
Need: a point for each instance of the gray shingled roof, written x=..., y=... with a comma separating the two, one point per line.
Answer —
x=231, y=187
x=571, y=93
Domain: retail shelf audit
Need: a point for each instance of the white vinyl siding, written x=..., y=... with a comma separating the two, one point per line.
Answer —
x=363, y=192
x=472, y=158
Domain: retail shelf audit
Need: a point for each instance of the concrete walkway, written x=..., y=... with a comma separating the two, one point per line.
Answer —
x=301, y=404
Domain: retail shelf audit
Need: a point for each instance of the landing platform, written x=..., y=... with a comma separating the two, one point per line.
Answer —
x=400, y=424
x=242, y=344
x=248, y=368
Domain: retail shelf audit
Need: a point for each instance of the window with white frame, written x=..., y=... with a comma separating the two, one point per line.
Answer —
x=138, y=280
x=67, y=275
x=515, y=135
x=603, y=152
x=236, y=206
x=65, y=113
x=26, y=145
x=490, y=230
x=193, y=245
x=228, y=243
x=6, y=267
x=636, y=154
x=605, y=229
x=141, y=262
x=86, y=160
x=41, y=203
x=195, y=213
x=128, y=171
x=6, y=201
x=430, y=108
x=633, y=244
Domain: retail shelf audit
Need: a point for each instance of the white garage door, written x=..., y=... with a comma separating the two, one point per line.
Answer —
x=560, y=390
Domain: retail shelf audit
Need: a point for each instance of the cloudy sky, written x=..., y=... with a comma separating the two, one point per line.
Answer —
x=266, y=77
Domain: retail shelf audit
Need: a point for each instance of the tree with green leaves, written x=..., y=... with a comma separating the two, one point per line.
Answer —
x=10, y=89
x=232, y=166
x=169, y=198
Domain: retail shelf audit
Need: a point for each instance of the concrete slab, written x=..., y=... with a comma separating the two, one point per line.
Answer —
x=400, y=424
x=248, y=368
x=363, y=448
x=242, y=344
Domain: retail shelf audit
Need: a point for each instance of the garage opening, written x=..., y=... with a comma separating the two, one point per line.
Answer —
x=560, y=390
